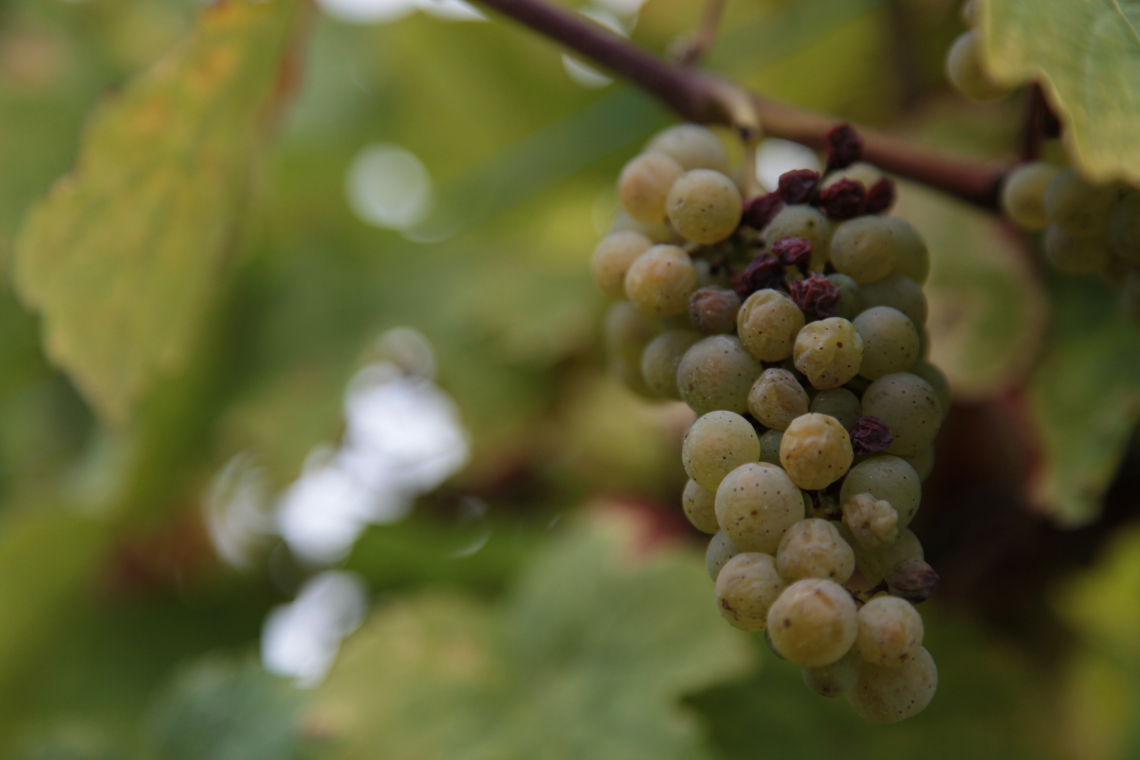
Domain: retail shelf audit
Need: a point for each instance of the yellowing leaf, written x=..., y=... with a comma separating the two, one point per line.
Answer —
x=588, y=659
x=124, y=255
x=1086, y=53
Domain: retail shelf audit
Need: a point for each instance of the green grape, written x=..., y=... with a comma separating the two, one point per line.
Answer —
x=815, y=451
x=746, y=588
x=922, y=462
x=1124, y=228
x=612, y=259
x=1023, y=194
x=699, y=504
x=938, y=381
x=850, y=296
x=717, y=373
x=909, y=407
x=660, y=281
x=1076, y=255
x=1078, y=207
x=768, y=323
x=712, y=310
x=770, y=446
x=802, y=221
x=839, y=403
x=860, y=171
x=704, y=206
x=889, y=478
x=863, y=248
x=876, y=562
x=813, y=548
x=661, y=358
x=912, y=258
x=813, y=623
x=871, y=521
x=828, y=352
x=888, y=695
x=836, y=679
x=626, y=334
x=658, y=233
x=890, y=631
x=720, y=551
x=692, y=146
x=777, y=398
x=644, y=184
x=899, y=292
x=755, y=504
x=715, y=445
x=965, y=71
x=890, y=342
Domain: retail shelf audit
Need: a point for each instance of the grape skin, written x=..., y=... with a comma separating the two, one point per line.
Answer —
x=965, y=71
x=644, y=184
x=813, y=548
x=704, y=206
x=829, y=352
x=888, y=478
x=627, y=333
x=660, y=281
x=888, y=695
x=872, y=521
x=661, y=358
x=938, y=381
x=1078, y=207
x=815, y=451
x=755, y=504
x=715, y=445
x=720, y=551
x=899, y=292
x=912, y=258
x=839, y=403
x=777, y=398
x=770, y=446
x=692, y=146
x=909, y=407
x=1023, y=194
x=890, y=631
x=717, y=374
x=612, y=259
x=863, y=248
x=699, y=504
x=850, y=296
x=922, y=462
x=768, y=323
x=746, y=588
x=877, y=562
x=813, y=623
x=836, y=679
x=802, y=221
x=1076, y=255
x=890, y=342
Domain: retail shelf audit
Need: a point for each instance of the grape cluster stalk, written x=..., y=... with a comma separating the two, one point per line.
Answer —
x=793, y=323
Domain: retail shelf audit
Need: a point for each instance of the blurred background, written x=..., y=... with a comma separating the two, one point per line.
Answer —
x=391, y=505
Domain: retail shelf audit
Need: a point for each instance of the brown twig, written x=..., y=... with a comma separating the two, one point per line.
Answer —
x=702, y=97
x=706, y=33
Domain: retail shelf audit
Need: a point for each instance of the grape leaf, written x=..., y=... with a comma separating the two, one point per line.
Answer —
x=1083, y=400
x=1087, y=57
x=587, y=658
x=124, y=255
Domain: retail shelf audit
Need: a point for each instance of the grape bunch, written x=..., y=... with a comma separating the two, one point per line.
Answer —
x=793, y=324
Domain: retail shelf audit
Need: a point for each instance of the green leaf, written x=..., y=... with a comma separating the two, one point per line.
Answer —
x=123, y=257
x=586, y=659
x=226, y=710
x=1083, y=400
x=1087, y=56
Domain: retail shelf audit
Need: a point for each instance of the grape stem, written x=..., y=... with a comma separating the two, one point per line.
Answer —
x=708, y=99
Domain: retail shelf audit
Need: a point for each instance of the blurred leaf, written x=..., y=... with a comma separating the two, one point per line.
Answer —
x=1084, y=400
x=223, y=709
x=586, y=660
x=1087, y=56
x=987, y=307
x=123, y=257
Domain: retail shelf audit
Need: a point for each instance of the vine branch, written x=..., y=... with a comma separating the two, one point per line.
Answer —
x=703, y=97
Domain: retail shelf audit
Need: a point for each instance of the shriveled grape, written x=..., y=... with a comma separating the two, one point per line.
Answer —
x=746, y=588
x=813, y=623
x=829, y=352
x=768, y=323
x=813, y=548
x=815, y=451
x=777, y=398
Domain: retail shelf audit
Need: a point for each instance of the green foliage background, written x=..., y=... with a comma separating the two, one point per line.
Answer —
x=197, y=288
